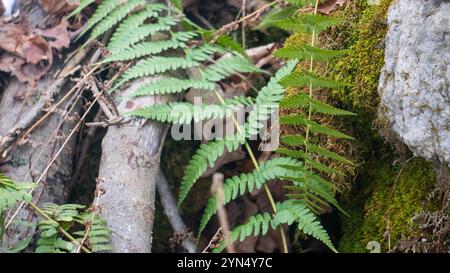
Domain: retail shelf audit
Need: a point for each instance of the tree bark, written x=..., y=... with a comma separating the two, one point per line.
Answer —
x=28, y=160
x=128, y=173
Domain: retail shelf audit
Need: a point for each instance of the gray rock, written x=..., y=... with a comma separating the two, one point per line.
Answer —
x=414, y=84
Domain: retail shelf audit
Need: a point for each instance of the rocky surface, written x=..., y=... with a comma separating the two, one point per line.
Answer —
x=415, y=81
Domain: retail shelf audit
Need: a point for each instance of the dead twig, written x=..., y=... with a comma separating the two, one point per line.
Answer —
x=171, y=211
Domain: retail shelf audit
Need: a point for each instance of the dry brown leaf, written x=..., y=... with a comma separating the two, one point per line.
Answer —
x=330, y=5
x=58, y=6
x=58, y=36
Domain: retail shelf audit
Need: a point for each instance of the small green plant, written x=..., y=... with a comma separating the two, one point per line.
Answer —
x=159, y=47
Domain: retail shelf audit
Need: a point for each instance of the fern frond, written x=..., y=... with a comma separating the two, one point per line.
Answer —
x=83, y=4
x=172, y=85
x=154, y=65
x=275, y=15
x=298, y=140
x=307, y=23
x=115, y=17
x=293, y=211
x=150, y=48
x=12, y=192
x=314, y=126
x=308, y=160
x=186, y=112
x=306, y=52
x=246, y=182
x=257, y=225
x=303, y=3
x=228, y=66
x=301, y=79
x=267, y=100
x=142, y=32
x=303, y=100
x=98, y=235
x=123, y=37
x=105, y=8
x=206, y=156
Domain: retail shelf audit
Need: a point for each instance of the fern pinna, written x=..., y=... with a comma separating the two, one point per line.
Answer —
x=157, y=47
x=313, y=191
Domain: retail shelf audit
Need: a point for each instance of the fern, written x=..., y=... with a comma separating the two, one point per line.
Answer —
x=102, y=11
x=71, y=216
x=299, y=79
x=307, y=23
x=226, y=67
x=185, y=112
x=151, y=56
x=303, y=100
x=98, y=234
x=306, y=52
x=314, y=126
x=294, y=211
x=150, y=48
x=172, y=85
x=257, y=225
x=115, y=16
x=12, y=192
x=267, y=100
x=206, y=156
x=239, y=185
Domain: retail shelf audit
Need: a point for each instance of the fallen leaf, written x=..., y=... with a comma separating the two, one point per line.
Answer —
x=24, y=72
x=58, y=36
x=35, y=49
x=58, y=6
x=330, y=5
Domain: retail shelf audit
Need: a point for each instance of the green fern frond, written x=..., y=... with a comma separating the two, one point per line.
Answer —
x=303, y=100
x=275, y=15
x=63, y=213
x=105, y=8
x=306, y=79
x=267, y=100
x=138, y=50
x=12, y=192
x=303, y=3
x=307, y=23
x=228, y=66
x=257, y=225
x=292, y=211
x=308, y=160
x=314, y=126
x=142, y=32
x=206, y=156
x=83, y=4
x=186, y=112
x=123, y=37
x=154, y=65
x=98, y=235
x=204, y=52
x=229, y=43
x=306, y=52
x=246, y=182
x=115, y=17
x=313, y=187
x=172, y=85
x=298, y=140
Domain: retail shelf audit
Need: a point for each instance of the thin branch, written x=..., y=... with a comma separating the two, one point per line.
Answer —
x=171, y=211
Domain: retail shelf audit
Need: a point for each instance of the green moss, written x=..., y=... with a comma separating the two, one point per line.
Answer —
x=363, y=37
x=383, y=205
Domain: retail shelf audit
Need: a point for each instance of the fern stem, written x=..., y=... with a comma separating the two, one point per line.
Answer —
x=256, y=165
x=311, y=90
x=64, y=232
